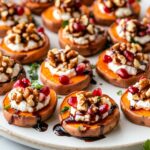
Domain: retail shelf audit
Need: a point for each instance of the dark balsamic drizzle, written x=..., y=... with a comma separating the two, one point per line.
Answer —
x=59, y=130
x=93, y=81
x=40, y=126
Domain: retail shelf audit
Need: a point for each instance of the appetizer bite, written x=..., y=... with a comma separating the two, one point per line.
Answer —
x=37, y=6
x=10, y=71
x=65, y=71
x=107, y=11
x=83, y=36
x=12, y=14
x=131, y=30
x=89, y=114
x=123, y=64
x=55, y=16
x=26, y=105
x=135, y=102
x=25, y=43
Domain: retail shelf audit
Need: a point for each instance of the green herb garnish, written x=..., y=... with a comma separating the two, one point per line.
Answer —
x=119, y=92
x=92, y=66
x=66, y=108
x=98, y=99
x=33, y=71
x=146, y=145
x=100, y=83
x=65, y=23
x=37, y=85
x=7, y=107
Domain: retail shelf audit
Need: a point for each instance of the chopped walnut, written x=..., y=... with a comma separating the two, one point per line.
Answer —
x=24, y=33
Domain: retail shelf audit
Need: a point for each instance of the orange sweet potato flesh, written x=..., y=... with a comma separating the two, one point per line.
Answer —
x=108, y=18
x=94, y=130
x=35, y=7
x=86, y=49
x=116, y=38
x=141, y=117
x=51, y=22
x=4, y=29
x=76, y=83
x=26, y=57
x=87, y=2
x=113, y=78
x=148, y=13
x=26, y=119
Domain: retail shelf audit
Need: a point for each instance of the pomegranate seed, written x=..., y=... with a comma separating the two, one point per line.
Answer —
x=133, y=89
x=40, y=29
x=142, y=33
x=123, y=73
x=45, y=90
x=18, y=83
x=107, y=10
x=26, y=82
x=107, y=59
x=73, y=101
x=142, y=77
x=103, y=108
x=64, y=79
x=97, y=92
x=78, y=27
x=20, y=10
x=41, y=97
x=80, y=69
x=129, y=55
x=131, y=1
x=92, y=20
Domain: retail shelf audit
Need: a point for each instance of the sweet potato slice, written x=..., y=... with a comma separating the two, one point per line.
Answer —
x=7, y=86
x=94, y=130
x=51, y=22
x=116, y=38
x=141, y=117
x=148, y=13
x=26, y=57
x=26, y=119
x=87, y=2
x=4, y=29
x=113, y=78
x=76, y=83
x=35, y=7
x=85, y=50
x=107, y=19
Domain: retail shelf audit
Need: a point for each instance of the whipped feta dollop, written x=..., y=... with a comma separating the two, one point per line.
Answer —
x=23, y=106
x=123, y=12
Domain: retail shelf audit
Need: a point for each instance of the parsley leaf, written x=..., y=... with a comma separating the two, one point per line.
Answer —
x=37, y=85
x=66, y=108
x=65, y=23
x=146, y=145
x=7, y=107
x=119, y=92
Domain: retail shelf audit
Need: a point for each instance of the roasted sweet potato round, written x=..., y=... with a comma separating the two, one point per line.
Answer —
x=141, y=117
x=94, y=130
x=52, y=81
x=25, y=119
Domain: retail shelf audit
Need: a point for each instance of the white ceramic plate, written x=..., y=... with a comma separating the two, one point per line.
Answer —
x=125, y=135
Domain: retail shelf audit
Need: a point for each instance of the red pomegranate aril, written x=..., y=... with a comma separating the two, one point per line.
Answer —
x=142, y=33
x=18, y=83
x=103, y=108
x=133, y=89
x=20, y=10
x=131, y=1
x=106, y=9
x=40, y=29
x=129, y=55
x=64, y=79
x=142, y=77
x=78, y=27
x=107, y=59
x=45, y=90
x=41, y=97
x=92, y=20
x=80, y=69
x=73, y=101
x=123, y=73
x=97, y=92
x=26, y=82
